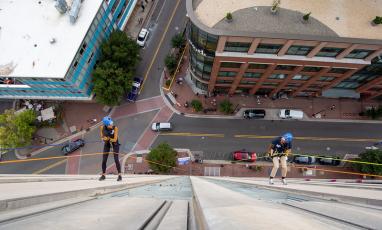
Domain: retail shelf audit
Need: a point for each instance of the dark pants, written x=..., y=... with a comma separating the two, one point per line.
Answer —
x=105, y=155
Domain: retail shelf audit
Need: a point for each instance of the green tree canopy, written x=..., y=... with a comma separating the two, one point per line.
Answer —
x=120, y=49
x=197, y=105
x=374, y=156
x=16, y=130
x=170, y=62
x=164, y=157
x=110, y=83
x=177, y=41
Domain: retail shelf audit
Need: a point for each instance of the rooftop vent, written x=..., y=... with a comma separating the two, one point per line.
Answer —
x=74, y=11
x=61, y=6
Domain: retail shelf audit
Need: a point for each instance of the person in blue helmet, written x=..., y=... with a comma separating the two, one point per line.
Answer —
x=109, y=135
x=279, y=150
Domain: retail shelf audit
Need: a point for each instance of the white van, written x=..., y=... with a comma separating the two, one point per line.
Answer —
x=161, y=126
x=291, y=114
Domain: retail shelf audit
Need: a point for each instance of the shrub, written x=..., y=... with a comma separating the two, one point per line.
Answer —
x=226, y=107
x=377, y=20
x=168, y=82
x=170, y=62
x=374, y=156
x=229, y=16
x=197, y=105
x=306, y=16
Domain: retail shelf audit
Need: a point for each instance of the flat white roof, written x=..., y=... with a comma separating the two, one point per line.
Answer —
x=26, y=28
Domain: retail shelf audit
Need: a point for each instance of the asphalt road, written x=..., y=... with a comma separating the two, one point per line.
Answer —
x=217, y=138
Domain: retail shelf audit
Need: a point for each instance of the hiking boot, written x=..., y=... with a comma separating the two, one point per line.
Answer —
x=119, y=178
x=102, y=177
x=284, y=181
x=271, y=181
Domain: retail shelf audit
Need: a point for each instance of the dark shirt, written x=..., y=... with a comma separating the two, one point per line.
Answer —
x=278, y=147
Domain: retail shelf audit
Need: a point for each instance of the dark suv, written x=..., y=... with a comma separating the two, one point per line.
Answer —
x=254, y=113
x=72, y=146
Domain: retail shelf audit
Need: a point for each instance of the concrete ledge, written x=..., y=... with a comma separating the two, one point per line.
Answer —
x=26, y=201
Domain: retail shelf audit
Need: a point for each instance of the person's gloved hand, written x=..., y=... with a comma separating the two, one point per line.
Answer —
x=105, y=138
x=288, y=152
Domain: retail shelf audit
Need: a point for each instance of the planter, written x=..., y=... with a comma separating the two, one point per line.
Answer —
x=373, y=23
x=274, y=10
x=228, y=20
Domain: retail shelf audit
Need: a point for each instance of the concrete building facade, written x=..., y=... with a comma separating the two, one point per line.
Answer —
x=44, y=55
x=275, y=54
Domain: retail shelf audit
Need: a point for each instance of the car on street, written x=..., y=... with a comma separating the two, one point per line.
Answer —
x=161, y=126
x=254, y=113
x=325, y=160
x=243, y=155
x=133, y=94
x=72, y=146
x=142, y=37
x=291, y=114
x=303, y=159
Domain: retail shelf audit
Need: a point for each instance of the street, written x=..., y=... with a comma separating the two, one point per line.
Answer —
x=217, y=138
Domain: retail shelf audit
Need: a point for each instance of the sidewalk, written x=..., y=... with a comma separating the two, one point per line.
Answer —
x=344, y=109
x=139, y=17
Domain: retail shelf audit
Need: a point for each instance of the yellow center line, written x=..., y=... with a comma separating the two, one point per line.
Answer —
x=193, y=134
x=50, y=166
x=312, y=138
x=160, y=44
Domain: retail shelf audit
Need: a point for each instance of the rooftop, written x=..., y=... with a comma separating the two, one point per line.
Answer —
x=330, y=18
x=26, y=31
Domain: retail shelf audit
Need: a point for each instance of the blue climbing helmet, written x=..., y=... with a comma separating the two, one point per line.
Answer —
x=107, y=121
x=288, y=137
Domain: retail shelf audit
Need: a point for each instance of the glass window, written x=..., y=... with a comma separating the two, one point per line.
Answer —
x=329, y=52
x=230, y=65
x=299, y=50
x=359, y=54
x=270, y=83
x=257, y=66
x=301, y=77
x=268, y=48
x=252, y=75
x=326, y=78
x=237, y=46
x=311, y=69
x=338, y=70
x=348, y=85
x=244, y=82
x=277, y=76
x=224, y=82
x=357, y=77
x=226, y=74
x=285, y=67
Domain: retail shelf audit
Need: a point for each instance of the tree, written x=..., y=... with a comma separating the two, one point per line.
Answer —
x=110, y=83
x=306, y=16
x=16, y=130
x=122, y=50
x=170, y=62
x=162, y=158
x=177, y=41
x=374, y=156
x=226, y=107
x=197, y=105
x=113, y=74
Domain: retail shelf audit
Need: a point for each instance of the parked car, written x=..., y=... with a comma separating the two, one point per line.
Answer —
x=72, y=146
x=291, y=114
x=325, y=160
x=254, y=113
x=243, y=155
x=133, y=94
x=161, y=126
x=142, y=37
x=304, y=159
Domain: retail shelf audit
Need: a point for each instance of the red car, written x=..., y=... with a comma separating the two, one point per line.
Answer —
x=243, y=155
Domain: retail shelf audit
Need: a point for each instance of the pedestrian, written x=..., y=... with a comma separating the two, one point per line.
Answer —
x=143, y=7
x=279, y=151
x=109, y=135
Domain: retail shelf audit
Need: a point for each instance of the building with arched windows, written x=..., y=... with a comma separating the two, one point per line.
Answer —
x=335, y=53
